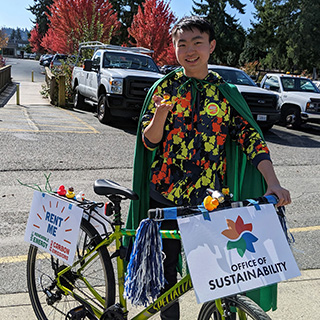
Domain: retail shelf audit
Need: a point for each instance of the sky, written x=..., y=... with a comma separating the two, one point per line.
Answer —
x=14, y=13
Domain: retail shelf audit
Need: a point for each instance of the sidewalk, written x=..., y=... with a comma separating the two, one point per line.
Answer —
x=297, y=299
x=29, y=94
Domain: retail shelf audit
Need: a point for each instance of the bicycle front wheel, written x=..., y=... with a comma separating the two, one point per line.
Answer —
x=92, y=279
x=240, y=307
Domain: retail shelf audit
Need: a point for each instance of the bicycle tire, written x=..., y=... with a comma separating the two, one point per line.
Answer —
x=250, y=308
x=41, y=274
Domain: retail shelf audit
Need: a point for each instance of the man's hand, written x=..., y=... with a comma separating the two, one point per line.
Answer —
x=162, y=104
x=282, y=194
x=274, y=187
x=154, y=130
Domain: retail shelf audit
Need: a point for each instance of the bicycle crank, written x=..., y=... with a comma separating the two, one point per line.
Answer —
x=114, y=313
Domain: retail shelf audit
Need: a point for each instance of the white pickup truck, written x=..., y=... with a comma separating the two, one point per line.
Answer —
x=115, y=81
x=299, y=98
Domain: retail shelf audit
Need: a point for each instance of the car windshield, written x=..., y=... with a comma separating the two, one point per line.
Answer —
x=129, y=61
x=234, y=76
x=298, y=84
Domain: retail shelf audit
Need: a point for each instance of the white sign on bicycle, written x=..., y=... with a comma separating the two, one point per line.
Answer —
x=53, y=226
x=236, y=250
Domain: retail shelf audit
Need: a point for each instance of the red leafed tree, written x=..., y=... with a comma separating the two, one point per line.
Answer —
x=75, y=21
x=170, y=55
x=35, y=40
x=150, y=28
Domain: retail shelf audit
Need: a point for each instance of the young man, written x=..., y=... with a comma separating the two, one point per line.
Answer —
x=196, y=133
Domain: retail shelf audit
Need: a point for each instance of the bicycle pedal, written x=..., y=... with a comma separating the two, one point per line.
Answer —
x=78, y=313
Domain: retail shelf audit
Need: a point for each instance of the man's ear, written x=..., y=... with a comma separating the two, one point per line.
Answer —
x=212, y=45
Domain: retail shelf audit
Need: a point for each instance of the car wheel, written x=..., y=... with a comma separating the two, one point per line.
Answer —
x=103, y=111
x=292, y=118
x=78, y=99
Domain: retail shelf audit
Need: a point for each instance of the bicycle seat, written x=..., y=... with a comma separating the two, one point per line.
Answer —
x=108, y=187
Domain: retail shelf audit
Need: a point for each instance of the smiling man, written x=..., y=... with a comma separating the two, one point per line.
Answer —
x=196, y=133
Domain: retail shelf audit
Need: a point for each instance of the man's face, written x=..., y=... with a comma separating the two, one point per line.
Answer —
x=193, y=50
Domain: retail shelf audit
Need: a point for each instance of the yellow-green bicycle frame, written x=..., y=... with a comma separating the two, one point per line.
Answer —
x=183, y=286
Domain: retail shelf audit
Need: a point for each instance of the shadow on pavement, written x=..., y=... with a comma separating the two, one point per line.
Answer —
x=125, y=124
x=302, y=138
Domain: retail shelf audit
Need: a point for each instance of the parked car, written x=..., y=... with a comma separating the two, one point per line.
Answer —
x=47, y=61
x=33, y=56
x=262, y=103
x=57, y=60
x=115, y=81
x=45, y=57
x=299, y=98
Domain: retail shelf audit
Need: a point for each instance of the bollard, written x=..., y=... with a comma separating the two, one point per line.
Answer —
x=18, y=94
x=62, y=91
x=32, y=79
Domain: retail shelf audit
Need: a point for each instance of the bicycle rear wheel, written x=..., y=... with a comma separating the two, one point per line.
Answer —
x=248, y=309
x=48, y=301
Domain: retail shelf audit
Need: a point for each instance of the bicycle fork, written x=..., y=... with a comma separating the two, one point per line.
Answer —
x=224, y=310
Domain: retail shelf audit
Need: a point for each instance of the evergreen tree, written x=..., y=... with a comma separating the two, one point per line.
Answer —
x=39, y=9
x=230, y=35
x=13, y=35
x=303, y=46
x=285, y=36
x=18, y=35
x=269, y=35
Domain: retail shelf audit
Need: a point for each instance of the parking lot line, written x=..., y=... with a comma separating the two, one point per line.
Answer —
x=84, y=123
x=305, y=229
x=72, y=125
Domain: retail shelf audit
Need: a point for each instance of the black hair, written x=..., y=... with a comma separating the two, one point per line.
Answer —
x=194, y=22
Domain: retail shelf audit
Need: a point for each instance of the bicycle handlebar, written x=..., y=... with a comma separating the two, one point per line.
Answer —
x=172, y=213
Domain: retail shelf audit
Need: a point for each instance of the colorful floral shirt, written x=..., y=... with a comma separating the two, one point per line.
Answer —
x=191, y=156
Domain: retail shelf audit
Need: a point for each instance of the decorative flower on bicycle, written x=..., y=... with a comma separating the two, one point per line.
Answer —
x=240, y=236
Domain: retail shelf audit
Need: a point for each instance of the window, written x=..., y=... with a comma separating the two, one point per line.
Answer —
x=96, y=59
x=129, y=61
x=298, y=84
x=272, y=83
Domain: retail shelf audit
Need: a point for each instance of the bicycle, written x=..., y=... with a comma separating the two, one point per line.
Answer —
x=87, y=289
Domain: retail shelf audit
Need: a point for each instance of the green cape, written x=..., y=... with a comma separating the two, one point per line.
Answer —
x=242, y=178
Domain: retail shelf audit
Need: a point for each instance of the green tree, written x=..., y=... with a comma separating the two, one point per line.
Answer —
x=126, y=10
x=13, y=35
x=285, y=35
x=18, y=34
x=230, y=35
x=38, y=9
x=267, y=40
x=303, y=46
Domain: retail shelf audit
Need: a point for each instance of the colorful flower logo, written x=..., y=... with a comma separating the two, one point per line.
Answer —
x=240, y=236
